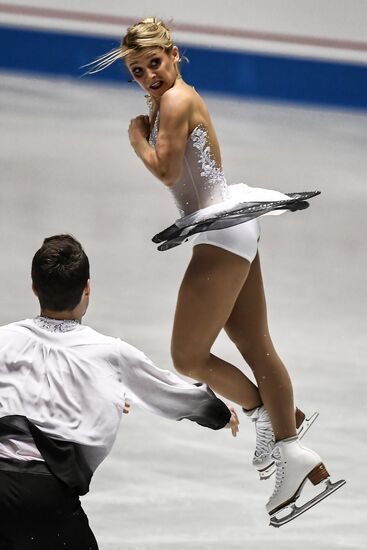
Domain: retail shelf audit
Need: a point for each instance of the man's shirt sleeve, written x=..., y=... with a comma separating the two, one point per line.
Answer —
x=164, y=393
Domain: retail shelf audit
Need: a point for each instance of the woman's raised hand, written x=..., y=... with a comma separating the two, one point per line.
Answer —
x=139, y=129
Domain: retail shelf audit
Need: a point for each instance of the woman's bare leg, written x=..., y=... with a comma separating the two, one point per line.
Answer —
x=247, y=326
x=208, y=293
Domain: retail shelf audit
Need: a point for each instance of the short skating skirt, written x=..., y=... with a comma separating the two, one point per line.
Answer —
x=243, y=205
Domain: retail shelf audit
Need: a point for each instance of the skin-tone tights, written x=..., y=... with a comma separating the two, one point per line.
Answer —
x=223, y=290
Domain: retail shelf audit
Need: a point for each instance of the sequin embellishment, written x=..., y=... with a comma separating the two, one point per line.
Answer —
x=154, y=133
x=209, y=169
x=202, y=182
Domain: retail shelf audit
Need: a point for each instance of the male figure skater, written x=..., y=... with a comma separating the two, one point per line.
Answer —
x=63, y=388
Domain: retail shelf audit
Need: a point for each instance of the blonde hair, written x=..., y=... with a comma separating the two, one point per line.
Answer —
x=148, y=33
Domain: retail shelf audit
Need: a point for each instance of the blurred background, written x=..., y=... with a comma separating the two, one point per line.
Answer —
x=302, y=51
x=286, y=85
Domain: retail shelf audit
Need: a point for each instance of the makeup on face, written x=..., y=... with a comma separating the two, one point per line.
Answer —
x=154, y=70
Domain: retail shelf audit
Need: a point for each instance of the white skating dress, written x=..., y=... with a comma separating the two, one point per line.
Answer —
x=213, y=211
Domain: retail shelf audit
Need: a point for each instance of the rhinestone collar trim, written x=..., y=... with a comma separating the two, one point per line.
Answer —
x=56, y=325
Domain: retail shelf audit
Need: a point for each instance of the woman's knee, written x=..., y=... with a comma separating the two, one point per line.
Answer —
x=187, y=359
x=179, y=360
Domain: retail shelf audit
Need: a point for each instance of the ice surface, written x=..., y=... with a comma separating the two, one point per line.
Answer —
x=66, y=166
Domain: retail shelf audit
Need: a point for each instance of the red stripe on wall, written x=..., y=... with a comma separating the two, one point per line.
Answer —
x=68, y=15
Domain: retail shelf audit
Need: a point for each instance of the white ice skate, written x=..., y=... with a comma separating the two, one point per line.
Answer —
x=265, y=440
x=295, y=465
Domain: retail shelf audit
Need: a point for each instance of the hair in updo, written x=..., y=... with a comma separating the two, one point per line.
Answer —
x=148, y=33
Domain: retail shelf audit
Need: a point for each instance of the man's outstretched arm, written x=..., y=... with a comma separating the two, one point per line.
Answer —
x=164, y=393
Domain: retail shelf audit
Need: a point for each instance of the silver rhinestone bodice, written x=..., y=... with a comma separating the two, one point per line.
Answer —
x=201, y=182
x=55, y=325
x=154, y=132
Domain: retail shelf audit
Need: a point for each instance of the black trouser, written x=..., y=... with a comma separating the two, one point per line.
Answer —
x=39, y=512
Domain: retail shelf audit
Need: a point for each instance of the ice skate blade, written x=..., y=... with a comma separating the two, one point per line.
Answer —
x=297, y=511
x=306, y=425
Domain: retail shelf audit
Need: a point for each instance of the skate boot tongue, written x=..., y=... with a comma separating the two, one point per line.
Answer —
x=281, y=448
x=265, y=439
x=276, y=454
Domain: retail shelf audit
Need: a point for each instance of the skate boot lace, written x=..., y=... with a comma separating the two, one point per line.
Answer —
x=280, y=469
x=264, y=435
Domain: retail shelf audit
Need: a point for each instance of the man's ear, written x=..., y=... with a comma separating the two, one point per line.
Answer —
x=34, y=290
x=87, y=288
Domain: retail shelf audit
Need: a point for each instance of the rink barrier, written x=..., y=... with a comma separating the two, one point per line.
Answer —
x=268, y=77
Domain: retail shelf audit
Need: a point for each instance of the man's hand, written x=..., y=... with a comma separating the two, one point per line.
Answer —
x=126, y=408
x=233, y=423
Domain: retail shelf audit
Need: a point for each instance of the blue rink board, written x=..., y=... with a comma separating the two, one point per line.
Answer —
x=247, y=74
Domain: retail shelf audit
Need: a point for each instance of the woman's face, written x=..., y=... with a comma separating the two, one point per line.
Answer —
x=154, y=69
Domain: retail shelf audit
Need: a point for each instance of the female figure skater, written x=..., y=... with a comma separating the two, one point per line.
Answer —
x=222, y=287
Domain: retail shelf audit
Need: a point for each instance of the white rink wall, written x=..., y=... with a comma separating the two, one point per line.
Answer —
x=329, y=29
x=308, y=52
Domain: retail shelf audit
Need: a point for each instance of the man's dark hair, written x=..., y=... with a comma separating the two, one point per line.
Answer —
x=60, y=271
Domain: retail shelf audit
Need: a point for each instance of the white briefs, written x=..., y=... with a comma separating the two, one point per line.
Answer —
x=241, y=239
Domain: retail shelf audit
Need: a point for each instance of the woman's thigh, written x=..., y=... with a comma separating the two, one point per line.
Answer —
x=39, y=512
x=206, y=297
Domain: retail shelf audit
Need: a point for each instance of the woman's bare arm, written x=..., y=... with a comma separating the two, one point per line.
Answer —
x=165, y=159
